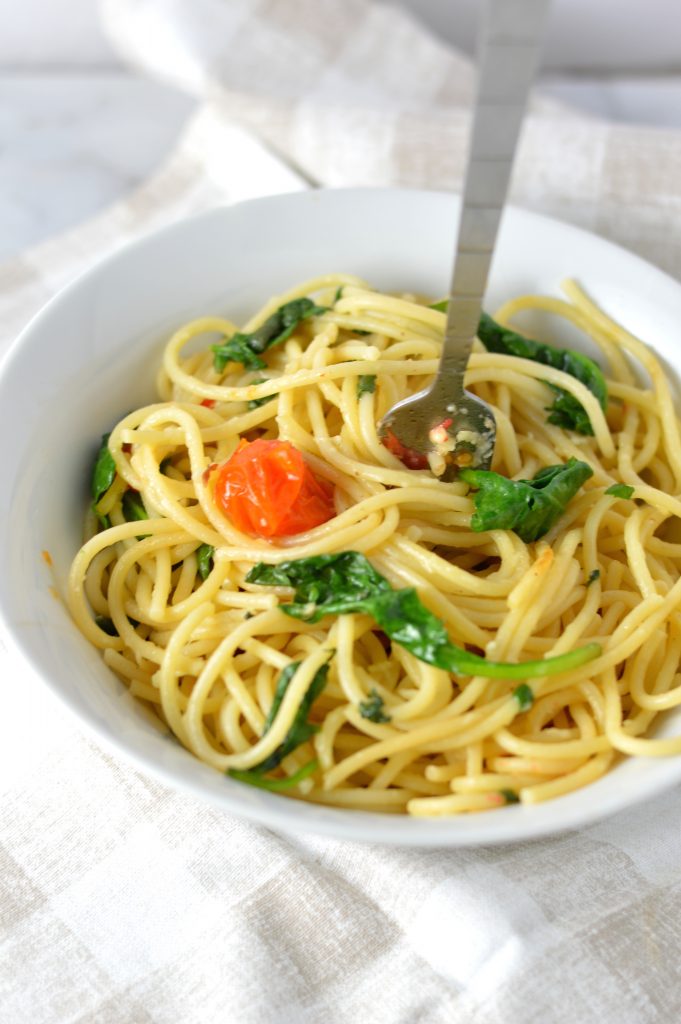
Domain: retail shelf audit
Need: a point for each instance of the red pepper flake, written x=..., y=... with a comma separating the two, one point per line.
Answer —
x=409, y=456
x=208, y=403
x=384, y=640
x=127, y=448
x=207, y=471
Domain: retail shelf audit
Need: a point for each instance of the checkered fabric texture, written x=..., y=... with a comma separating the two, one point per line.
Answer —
x=122, y=902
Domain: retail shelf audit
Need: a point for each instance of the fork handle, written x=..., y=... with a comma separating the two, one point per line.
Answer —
x=509, y=48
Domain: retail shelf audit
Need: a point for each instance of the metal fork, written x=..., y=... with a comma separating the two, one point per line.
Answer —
x=446, y=427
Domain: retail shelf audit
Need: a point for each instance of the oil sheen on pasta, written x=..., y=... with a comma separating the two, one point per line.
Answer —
x=168, y=602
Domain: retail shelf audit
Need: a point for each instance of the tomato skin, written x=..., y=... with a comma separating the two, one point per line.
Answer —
x=266, y=489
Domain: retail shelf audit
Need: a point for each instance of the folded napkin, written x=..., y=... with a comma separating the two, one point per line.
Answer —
x=124, y=902
x=356, y=93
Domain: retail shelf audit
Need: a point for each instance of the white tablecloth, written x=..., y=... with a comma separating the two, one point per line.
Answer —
x=123, y=902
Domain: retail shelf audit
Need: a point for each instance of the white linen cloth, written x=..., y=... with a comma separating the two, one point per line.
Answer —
x=122, y=902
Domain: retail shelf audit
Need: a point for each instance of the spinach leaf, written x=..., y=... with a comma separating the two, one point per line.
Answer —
x=255, y=403
x=523, y=694
x=372, y=708
x=509, y=796
x=103, y=475
x=236, y=350
x=134, y=510
x=106, y=624
x=247, y=348
x=204, y=560
x=282, y=323
x=133, y=507
x=566, y=411
x=338, y=295
x=347, y=582
x=344, y=578
x=528, y=507
x=254, y=778
x=620, y=490
x=366, y=384
x=285, y=678
x=594, y=575
x=301, y=730
x=441, y=306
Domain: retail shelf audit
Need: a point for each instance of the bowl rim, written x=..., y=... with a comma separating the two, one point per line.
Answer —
x=501, y=826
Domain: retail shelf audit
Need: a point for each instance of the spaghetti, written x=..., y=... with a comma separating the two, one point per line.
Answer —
x=334, y=708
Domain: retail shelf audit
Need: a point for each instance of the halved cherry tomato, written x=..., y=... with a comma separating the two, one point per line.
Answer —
x=267, y=490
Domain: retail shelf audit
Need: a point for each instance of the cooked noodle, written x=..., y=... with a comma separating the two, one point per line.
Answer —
x=206, y=654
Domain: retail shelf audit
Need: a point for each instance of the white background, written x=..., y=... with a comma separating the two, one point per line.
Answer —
x=78, y=130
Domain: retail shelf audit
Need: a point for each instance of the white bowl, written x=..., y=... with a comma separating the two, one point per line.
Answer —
x=90, y=356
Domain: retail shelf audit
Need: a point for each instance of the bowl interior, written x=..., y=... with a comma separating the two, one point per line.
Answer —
x=91, y=356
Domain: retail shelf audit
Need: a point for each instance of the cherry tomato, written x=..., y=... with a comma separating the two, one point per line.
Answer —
x=267, y=490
